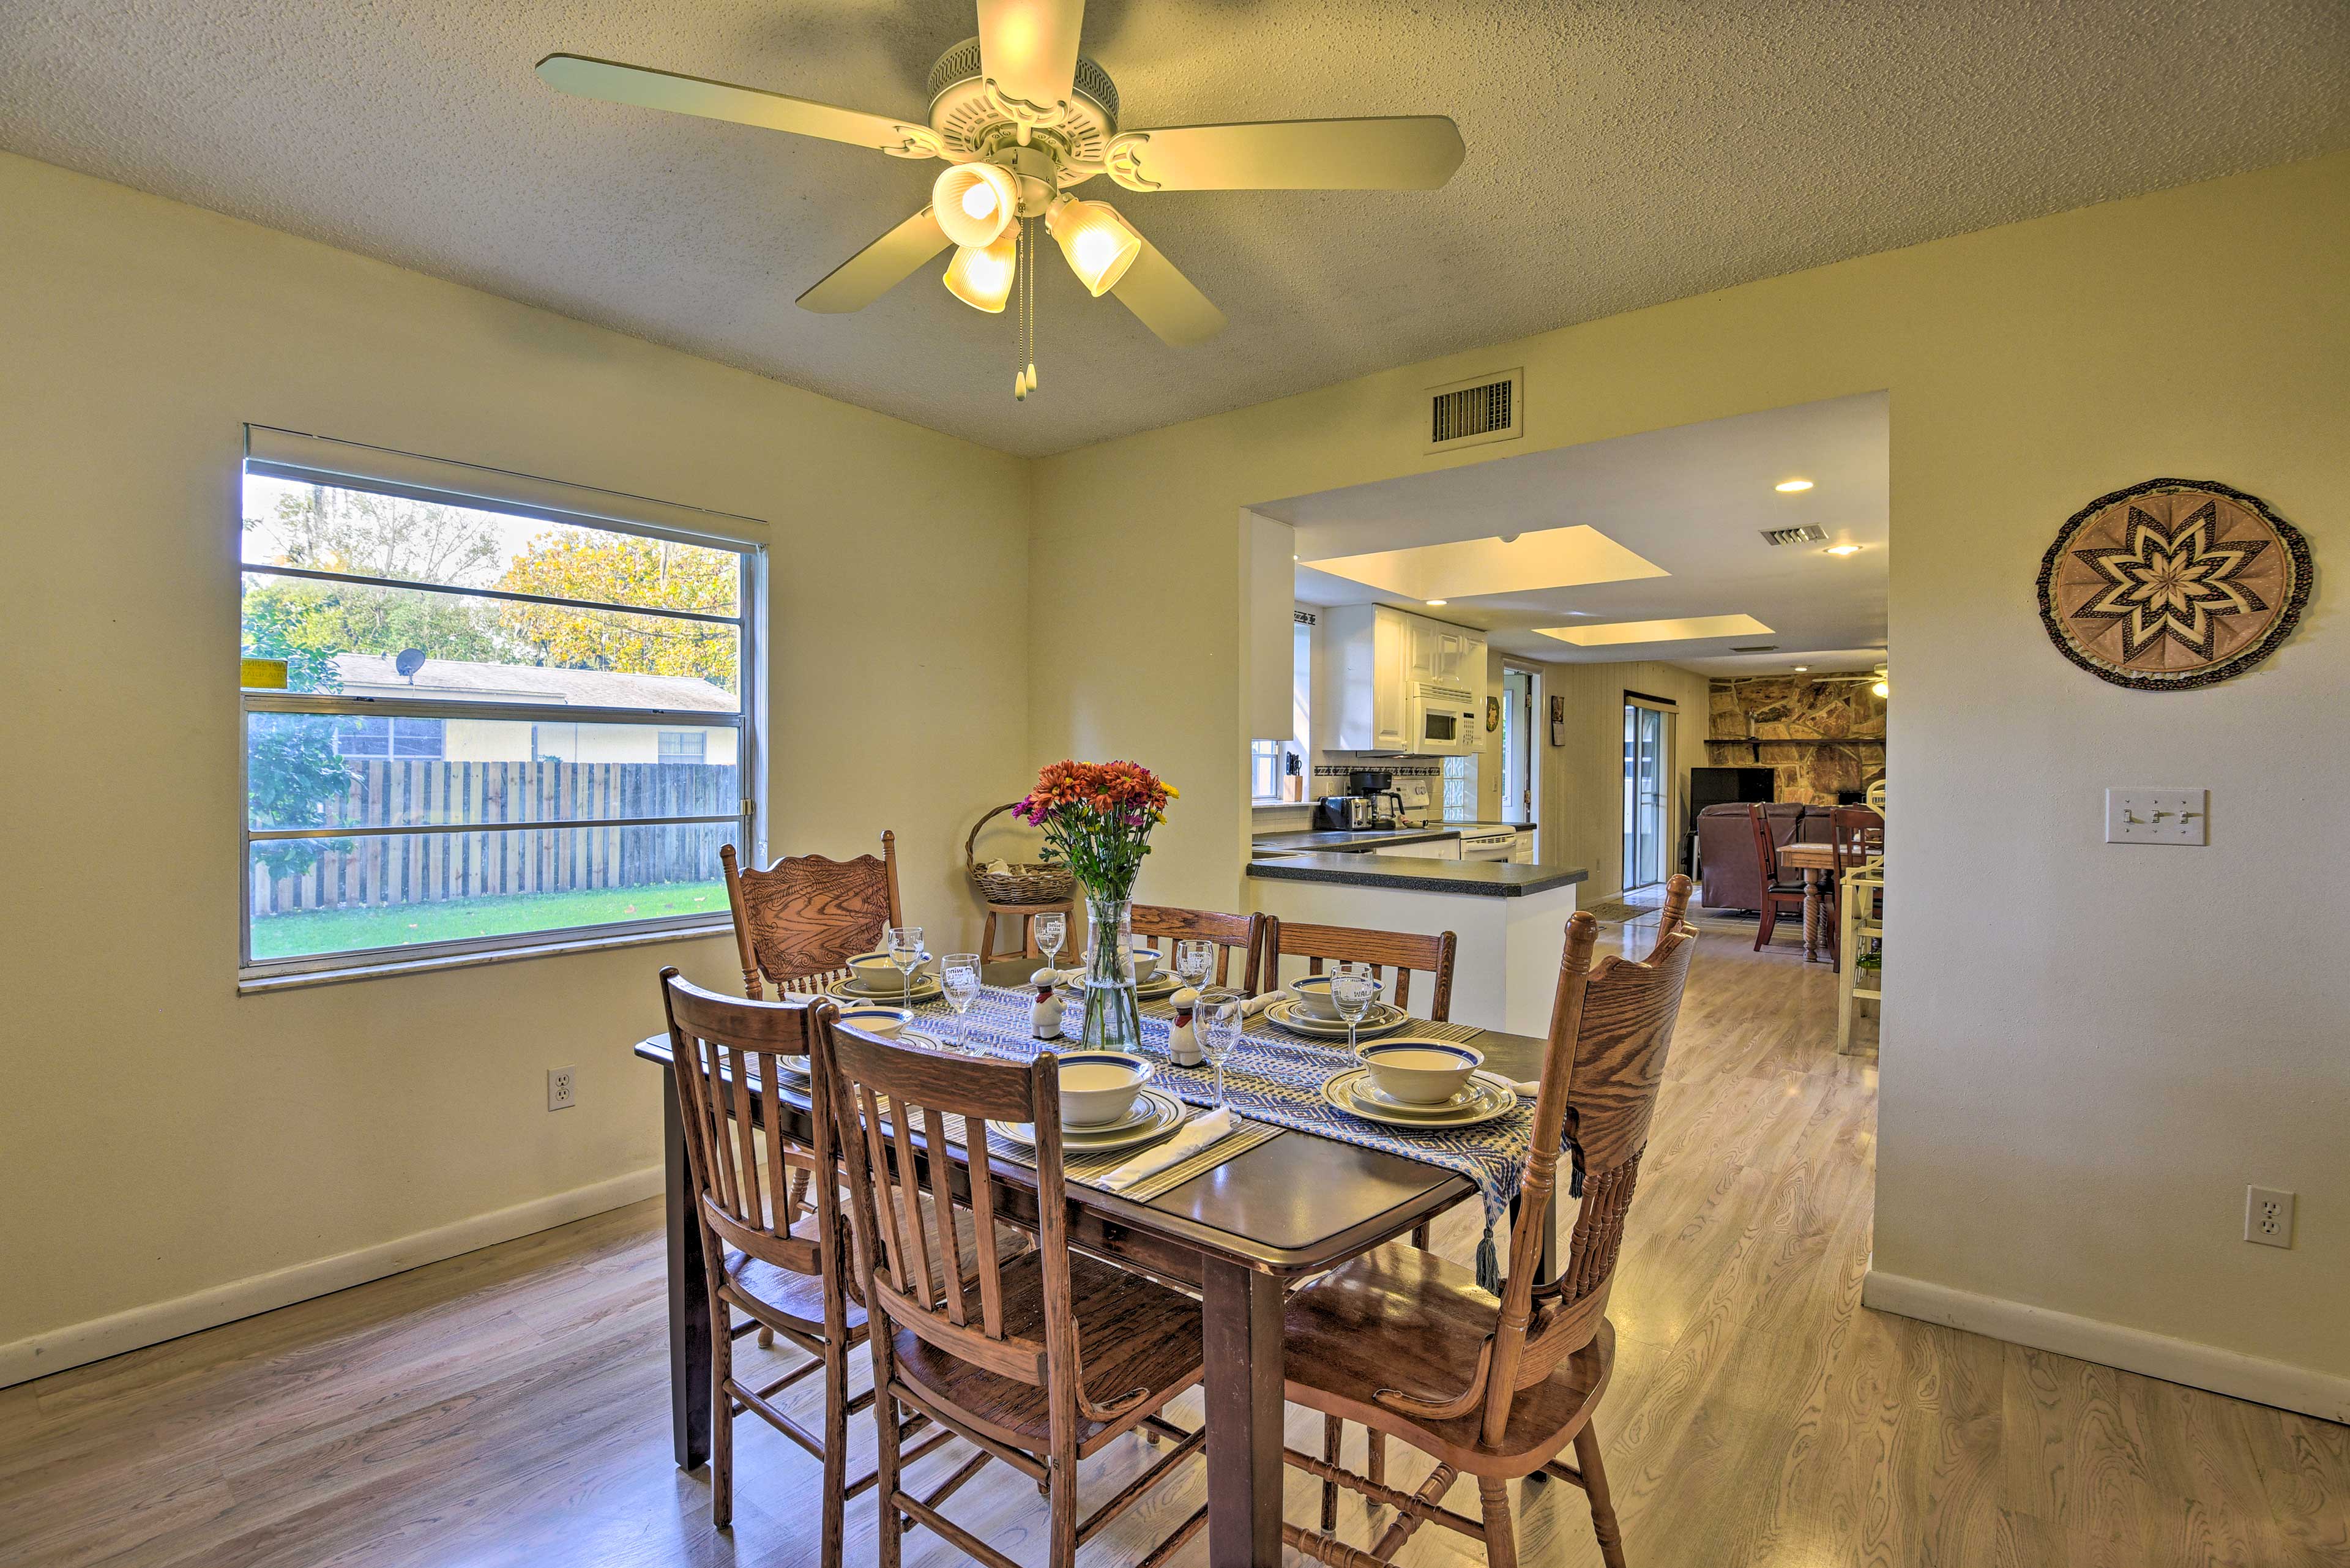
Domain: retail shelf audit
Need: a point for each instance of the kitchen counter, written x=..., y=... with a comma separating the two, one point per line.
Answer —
x=1477, y=878
x=1343, y=841
x=1510, y=919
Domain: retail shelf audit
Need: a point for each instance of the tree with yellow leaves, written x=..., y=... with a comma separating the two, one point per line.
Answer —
x=626, y=569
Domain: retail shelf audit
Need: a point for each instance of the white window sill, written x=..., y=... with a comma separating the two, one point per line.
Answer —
x=381, y=968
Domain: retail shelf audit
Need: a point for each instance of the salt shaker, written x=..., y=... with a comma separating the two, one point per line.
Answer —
x=1045, y=1018
x=1182, y=1042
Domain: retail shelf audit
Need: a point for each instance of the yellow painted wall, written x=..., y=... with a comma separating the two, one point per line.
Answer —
x=160, y=1136
x=2090, y=1051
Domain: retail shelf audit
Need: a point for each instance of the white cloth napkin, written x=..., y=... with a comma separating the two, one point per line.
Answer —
x=1256, y=1004
x=1196, y=1135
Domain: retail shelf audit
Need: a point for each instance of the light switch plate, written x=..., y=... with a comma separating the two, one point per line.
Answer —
x=2142, y=815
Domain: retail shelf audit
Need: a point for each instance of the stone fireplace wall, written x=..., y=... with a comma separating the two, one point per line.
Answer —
x=1823, y=737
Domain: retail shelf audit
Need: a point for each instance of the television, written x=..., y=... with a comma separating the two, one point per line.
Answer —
x=1729, y=786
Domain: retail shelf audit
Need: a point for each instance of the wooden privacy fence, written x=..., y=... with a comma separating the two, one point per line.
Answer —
x=539, y=830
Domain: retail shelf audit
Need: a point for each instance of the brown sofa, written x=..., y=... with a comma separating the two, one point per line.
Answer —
x=1725, y=848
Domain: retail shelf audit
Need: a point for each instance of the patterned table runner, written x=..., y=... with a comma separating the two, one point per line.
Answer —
x=1277, y=1077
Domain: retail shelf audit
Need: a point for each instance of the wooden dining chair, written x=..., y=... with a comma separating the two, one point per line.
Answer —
x=799, y=922
x=1038, y=1361
x=1780, y=889
x=1858, y=836
x=1406, y=1342
x=1399, y=950
x=769, y=1255
x=1241, y=934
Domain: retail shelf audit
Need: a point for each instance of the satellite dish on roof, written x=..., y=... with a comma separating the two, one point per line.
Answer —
x=408, y=661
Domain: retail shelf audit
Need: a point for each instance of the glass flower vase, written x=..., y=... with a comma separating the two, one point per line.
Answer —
x=1113, y=1016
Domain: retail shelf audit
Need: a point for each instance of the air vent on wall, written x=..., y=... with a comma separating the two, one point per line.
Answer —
x=1808, y=534
x=1484, y=409
x=1757, y=647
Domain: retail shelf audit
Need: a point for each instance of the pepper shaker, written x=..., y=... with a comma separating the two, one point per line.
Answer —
x=1182, y=1041
x=1045, y=1018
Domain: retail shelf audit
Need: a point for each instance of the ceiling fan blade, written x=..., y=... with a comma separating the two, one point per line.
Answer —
x=616, y=83
x=1403, y=152
x=1165, y=301
x=879, y=267
x=1029, y=48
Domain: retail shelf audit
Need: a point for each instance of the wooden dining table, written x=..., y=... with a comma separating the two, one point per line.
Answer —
x=1817, y=863
x=1295, y=1205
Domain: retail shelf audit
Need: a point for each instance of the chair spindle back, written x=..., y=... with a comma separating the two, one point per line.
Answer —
x=726, y=1051
x=1243, y=934
x=1403, y=952
x=885, y=1093
x=1857, y=834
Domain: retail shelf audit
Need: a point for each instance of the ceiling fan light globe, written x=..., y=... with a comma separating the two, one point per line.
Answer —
x=969, y=221
x=1095, y=241
x=981, y=275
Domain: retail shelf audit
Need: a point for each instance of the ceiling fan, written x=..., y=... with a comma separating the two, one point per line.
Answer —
x=1020, y=116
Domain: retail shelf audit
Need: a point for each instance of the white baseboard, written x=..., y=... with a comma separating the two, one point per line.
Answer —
x=75, y=1344
x=2196, y=1366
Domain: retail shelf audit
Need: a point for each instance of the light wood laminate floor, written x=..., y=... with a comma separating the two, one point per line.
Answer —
x=509, y=1406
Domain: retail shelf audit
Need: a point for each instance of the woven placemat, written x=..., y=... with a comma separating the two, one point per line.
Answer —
x=1091, y=1168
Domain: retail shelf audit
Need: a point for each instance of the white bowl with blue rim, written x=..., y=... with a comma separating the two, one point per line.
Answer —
x=885, y=1021
x=1312, y=993
x=1098, y=1087
x=1420, y=1072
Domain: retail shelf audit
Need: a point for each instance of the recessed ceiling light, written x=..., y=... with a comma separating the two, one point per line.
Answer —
x=1790, y=486
x=1801, y=667
x=1841, y=550
x=1435, y=602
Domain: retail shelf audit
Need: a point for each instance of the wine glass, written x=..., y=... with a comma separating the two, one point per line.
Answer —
x=1052, y=931
x=1194, y=956
x=959, y=973
x=905, y=944
x=1217, y=1017
x=1352, y=991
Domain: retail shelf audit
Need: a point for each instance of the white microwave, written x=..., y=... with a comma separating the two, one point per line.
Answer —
x=1440, y=719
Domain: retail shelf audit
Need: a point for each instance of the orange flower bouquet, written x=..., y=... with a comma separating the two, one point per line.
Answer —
x=1097, y=818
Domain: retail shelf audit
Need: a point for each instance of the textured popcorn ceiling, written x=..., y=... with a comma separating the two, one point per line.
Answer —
x=1619, y=155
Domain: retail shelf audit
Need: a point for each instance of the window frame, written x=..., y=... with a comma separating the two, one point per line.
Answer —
x=305, y=459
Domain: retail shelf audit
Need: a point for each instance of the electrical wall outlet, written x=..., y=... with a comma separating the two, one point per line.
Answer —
x=2268, y=1216
x=560, y=1089
x=2143, y=815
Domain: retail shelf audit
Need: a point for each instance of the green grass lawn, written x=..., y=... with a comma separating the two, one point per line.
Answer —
x=310, y=931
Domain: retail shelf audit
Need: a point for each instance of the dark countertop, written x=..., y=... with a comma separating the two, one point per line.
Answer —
x=1348, y=841
x=1482, y=878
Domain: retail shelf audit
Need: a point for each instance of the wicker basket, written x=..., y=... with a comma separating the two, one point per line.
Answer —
x=1017, y=884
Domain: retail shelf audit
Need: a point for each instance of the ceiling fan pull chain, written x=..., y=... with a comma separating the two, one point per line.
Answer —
x=1022, y=260
x=1028, y=237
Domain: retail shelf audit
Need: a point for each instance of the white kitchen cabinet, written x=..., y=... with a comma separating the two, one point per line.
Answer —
x=1522, y=852
x=1379, y=655
x=1427, y=849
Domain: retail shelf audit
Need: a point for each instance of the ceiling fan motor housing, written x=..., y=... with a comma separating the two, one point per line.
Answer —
x=972, y=122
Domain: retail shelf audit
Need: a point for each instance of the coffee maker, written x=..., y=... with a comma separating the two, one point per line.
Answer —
x=1383, y=800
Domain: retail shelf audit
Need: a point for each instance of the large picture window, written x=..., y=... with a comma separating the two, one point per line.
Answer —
x=516, y=713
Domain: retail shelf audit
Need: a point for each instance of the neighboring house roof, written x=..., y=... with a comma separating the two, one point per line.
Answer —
x=372, y=675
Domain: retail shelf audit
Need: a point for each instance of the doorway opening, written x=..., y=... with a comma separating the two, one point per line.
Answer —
x=1648, y=795
x=1517, y=799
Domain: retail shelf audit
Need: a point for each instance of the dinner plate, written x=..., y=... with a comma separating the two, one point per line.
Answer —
x=1166, y=1114
x=1166, y=982
x=1290, y=1014
x=926, y=989
x=1495, y=1098
x=1142, y=1111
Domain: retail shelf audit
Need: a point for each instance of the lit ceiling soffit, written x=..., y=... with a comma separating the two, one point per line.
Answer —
x=1681, y=630
x=1542, y=558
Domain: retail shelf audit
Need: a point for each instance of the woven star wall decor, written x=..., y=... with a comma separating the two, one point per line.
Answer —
x=2172, y=583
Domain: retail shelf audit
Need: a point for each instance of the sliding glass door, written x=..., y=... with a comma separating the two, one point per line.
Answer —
x=1648, y=809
